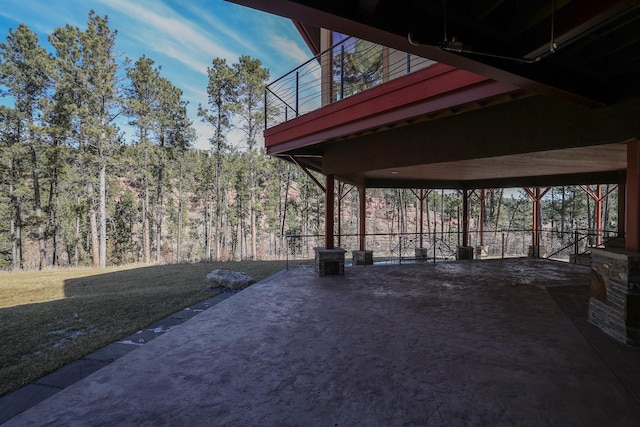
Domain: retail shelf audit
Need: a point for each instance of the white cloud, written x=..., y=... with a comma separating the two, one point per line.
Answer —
x=220, y=27
x=163, y=31
x=289, y=48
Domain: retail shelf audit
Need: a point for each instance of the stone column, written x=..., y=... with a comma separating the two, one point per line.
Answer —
x=614, y=305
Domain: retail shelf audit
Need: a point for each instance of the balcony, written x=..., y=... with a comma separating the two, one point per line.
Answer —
x=350, y=67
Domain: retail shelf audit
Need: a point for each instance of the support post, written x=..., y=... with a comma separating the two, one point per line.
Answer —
x=362, y=194
x=362, y=256
x=465, y=217
x=329, y=211
x=598, y=216
x=326, y=64
x=614, y=305
x=537, y=217
x=481, y=250
x=340, y=197
x=536, y=195
x=632, y=197
x=482, y=214
x=598, y=198
x=465, y=251
x=421, y=199
x=422, y=253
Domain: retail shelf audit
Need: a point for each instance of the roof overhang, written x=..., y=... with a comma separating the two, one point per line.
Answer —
x=506, y=119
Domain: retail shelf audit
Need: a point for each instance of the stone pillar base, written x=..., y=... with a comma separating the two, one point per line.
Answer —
x=465, y=252
x=329, y=262
x=580, y=259
x=537, y=251
x=614, y=306
x=422, y=254
x=481, y=252
x=362, y=258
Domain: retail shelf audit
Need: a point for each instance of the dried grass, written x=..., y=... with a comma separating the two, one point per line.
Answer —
x=51, y=318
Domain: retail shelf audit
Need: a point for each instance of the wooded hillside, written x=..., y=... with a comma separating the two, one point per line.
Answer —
x=75, y=192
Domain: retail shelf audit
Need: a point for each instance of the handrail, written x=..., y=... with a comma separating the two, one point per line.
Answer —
x=574, y=244
x=315, y=57
x=441, y=245
x=355, y=65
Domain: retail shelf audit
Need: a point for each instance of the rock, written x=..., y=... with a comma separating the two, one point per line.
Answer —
x=229, y=279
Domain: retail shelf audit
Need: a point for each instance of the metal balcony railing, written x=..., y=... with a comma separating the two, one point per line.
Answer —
x=345, y=69
x=442, y=245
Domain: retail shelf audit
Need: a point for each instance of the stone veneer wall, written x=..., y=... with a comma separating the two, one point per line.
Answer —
x=329, y=262
x=615, y=293
x=362, y=257
x=465, y=252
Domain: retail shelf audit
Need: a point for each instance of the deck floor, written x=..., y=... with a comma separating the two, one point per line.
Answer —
x=496, y=342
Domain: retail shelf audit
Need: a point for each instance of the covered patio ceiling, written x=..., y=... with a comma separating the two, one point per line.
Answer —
x=560, y=102
x=514, y=140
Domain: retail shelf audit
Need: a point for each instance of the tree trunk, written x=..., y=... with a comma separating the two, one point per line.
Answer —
x=42, y=249
x=146, y=238
x=218, y=206
x=95, y=241
x=208, y=222
x=76, y=241
x=498, y=214
x=159, y=203
x=103, y=216
x=252, y=216
x=605, y=225
x=15, y=227
x=562, y=207
x=179, y=234
x=283, y=210
x=52, y=224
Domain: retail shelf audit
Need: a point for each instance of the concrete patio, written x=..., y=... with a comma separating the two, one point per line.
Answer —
x=496, y=342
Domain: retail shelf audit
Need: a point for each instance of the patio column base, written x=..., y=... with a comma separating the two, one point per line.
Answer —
x=362, y=257
x=422, y=254
x=329, y=262
x=614, y=305
x=465, y=252
x=481, y=252
x=537, y=251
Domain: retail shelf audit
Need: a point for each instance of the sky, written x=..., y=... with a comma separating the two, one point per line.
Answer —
x=181, y=36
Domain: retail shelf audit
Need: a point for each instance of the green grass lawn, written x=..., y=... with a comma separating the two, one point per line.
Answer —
x=51, y=318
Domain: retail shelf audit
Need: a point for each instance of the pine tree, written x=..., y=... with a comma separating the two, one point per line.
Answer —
x=222, y=91
x=90, y=63
x=25, y=69
x=252, y=78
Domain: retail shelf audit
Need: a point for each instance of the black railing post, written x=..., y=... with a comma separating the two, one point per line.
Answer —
x=435, y=237
x=342, y=72
x=408, y=63
x=297, y=93
x=575, y=242
x=265, y=108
